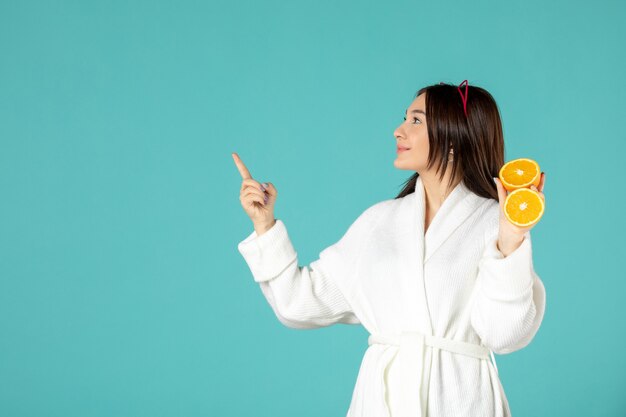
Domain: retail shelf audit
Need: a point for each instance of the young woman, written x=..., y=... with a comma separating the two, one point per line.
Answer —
x=438, y=275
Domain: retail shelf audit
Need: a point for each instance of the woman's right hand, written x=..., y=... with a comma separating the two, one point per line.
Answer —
x=257, y=199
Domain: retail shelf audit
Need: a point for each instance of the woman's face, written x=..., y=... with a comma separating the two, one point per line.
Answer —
x=413, y=134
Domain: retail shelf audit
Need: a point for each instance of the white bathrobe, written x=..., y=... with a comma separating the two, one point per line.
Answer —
x=437, y=306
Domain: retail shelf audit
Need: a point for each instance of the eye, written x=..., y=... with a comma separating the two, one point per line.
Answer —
x=415, y=118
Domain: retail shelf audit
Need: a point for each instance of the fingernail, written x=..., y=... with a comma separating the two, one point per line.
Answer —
x=265, y=198
x=494, y=181
x=262, y=187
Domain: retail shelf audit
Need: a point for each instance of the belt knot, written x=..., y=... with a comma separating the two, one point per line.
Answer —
x=413, y=369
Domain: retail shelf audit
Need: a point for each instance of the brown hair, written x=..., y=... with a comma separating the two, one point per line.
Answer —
x=478, y=141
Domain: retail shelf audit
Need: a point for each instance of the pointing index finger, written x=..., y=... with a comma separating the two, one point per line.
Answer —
x=245, y=174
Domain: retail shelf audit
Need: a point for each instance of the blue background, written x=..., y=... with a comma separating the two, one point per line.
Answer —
x=122, y=292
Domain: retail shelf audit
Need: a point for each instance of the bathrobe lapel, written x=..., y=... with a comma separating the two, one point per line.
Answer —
x=414, y=362
x=456, y=208
x=412, y=359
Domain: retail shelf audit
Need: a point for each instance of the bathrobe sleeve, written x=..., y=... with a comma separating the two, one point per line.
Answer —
x=509, y=301
x=305, y=297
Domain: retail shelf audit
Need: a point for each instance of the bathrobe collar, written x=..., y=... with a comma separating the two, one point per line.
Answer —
x=456, y=208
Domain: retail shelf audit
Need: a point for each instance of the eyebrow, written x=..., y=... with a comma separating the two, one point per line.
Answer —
x=417, y=111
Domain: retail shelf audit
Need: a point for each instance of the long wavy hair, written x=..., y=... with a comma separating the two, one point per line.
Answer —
x=477, y=140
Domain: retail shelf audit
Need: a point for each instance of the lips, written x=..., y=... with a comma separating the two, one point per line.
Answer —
x=400, y=148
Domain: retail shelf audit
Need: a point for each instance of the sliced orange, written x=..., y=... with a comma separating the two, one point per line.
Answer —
x=520, y=173
x=523, y=207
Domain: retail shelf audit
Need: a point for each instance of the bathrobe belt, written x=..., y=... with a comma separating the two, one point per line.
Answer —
x=412, y=367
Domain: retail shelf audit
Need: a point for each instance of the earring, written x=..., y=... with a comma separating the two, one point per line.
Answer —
x=451, y=153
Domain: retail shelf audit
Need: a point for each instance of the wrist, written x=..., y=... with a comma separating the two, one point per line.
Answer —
x=508, y=245
x=262, y=227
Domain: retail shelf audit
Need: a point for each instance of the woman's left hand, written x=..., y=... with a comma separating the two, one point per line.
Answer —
x=510, y=236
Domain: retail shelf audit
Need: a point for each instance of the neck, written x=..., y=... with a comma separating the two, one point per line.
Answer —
x=436, y=191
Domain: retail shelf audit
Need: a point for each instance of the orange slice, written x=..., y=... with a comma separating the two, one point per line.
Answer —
x=520, y=173
x=523, y=207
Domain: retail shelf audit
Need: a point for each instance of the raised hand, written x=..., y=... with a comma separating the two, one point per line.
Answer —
x=258, y=200
x=510, y=236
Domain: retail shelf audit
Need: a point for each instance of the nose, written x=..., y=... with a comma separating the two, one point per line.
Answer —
x=397, y=133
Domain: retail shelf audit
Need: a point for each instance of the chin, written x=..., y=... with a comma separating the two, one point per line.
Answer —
x=400, y=165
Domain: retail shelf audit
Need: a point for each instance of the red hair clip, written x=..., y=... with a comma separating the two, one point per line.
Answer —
x=464, y=98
